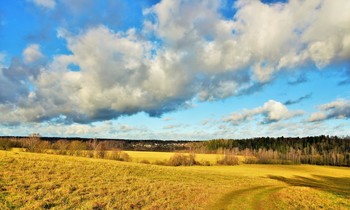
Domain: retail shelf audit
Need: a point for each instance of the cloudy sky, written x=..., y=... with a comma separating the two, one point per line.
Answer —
x=175, y=69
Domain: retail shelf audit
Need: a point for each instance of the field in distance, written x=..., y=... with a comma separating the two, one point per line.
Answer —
x=153, y=157
x=37, y=181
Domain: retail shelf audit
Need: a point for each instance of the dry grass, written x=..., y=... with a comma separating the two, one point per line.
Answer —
x=153, y=157
x=38, y=181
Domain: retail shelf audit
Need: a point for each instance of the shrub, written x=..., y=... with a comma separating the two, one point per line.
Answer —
x=99, y=154
x=250, y=160
x=205, y=163
x=89, y=153
x=61, y=145
x=77, y=153
x=182, y=160
x=6, y=144
x=113, y=155
x=77, y=145
x=31, y=143
x=145, y=162
x=117, y=155
x=125, y=157
x=62, y=152
x=228, y=160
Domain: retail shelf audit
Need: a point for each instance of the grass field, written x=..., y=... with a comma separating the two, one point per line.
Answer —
x=153, y=157
x=38, y=181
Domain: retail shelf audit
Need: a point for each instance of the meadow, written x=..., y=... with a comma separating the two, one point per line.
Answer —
x=45, y=181
x=154, y=157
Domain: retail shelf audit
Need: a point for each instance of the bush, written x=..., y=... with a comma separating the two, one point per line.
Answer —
x=34, y=144
x=61, y=145
x=145, y=162
x=31, y=144
x=89, y=153
x=116, y=155
x=6, y=144
x=77, y=145
x=229, y=160
x=100, y=154
x=182, y=160
x=113, y=155
x=125, y=157
x=250, y=160
x=205, y=163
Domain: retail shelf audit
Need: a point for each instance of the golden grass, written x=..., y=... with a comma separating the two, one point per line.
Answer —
x=153, y=157
x=37, y=181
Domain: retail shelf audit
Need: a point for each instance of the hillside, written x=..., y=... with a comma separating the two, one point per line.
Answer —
x=31, y=181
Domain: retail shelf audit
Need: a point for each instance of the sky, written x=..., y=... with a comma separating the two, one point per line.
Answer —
x=175, y=69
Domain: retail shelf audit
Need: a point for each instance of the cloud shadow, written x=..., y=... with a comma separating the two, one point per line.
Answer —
x=334, y=185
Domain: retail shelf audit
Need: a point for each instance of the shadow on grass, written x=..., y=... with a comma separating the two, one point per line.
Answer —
x=335, y=185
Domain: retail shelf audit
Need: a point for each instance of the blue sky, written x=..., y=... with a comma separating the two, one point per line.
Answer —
x=185, y=70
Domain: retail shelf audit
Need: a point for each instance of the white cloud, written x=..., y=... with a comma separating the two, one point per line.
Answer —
x=48, y=4
x=318, y=116
x=272, y=111
x=32, y=53
x=116, y=77
x=262, y=38
x=339, y=109
x=14, y=85
x=199, y=55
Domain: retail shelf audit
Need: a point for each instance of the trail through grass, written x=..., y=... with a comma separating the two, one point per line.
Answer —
x=249, y=198
x=38, y=181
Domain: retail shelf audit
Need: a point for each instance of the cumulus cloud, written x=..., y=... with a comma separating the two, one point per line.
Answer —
x=186, y=51
x=48, y=4
x=272, y=111
x=220, y=48
x=15, y=83
x=339, y=109
x=32, y=53
x=116, y=77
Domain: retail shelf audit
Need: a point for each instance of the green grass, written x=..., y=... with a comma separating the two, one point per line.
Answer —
x=38, y=181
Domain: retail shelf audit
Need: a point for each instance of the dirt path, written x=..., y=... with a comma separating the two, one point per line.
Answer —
x=248, y=198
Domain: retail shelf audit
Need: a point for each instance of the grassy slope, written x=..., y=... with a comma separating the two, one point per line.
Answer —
x=34, y=181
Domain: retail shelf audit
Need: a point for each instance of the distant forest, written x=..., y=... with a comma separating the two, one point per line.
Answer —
x=319, y=150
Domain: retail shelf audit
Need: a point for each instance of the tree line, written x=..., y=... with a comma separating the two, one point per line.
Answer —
x=319, y=150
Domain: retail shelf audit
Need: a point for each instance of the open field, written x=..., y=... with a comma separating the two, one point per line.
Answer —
x=152, y=157
x=32, y=181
